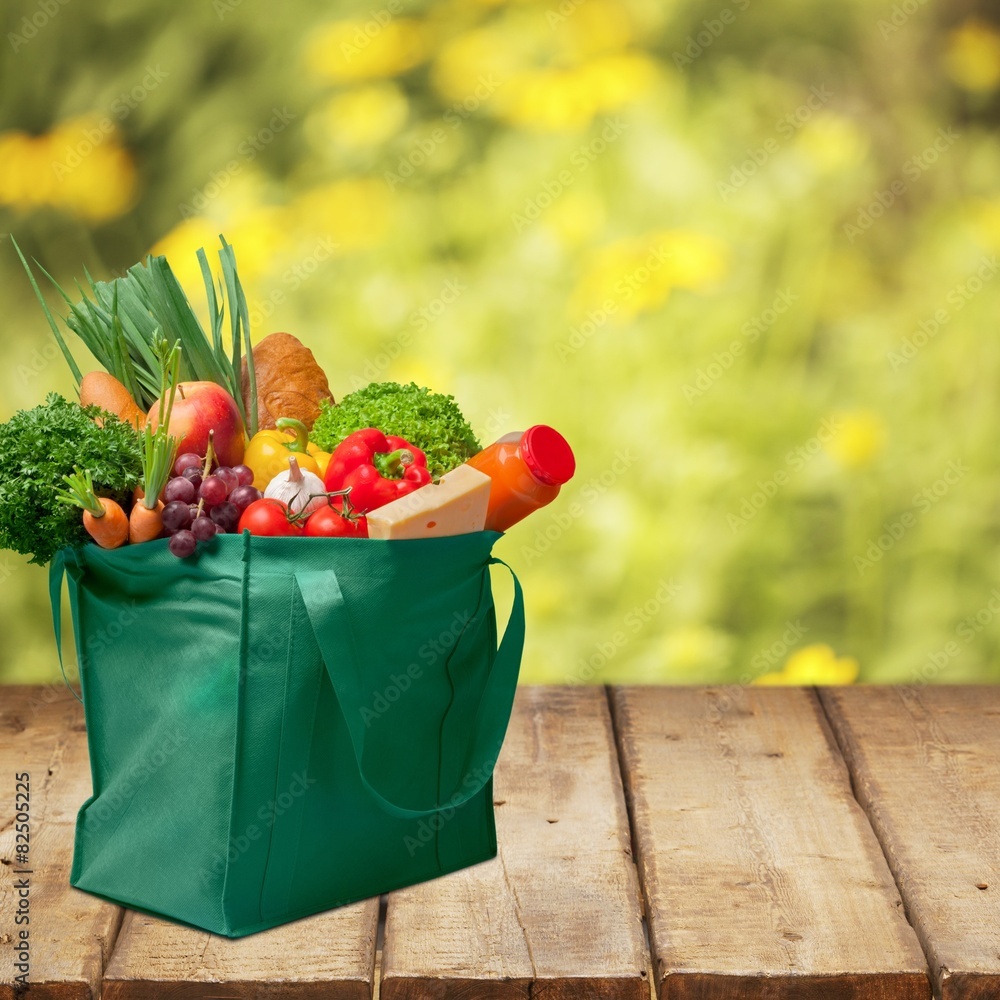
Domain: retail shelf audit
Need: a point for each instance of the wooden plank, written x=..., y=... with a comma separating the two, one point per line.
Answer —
x=762, y=876
x=70, y=933
x=926, y=767
x=557, y=913
x=331, y=955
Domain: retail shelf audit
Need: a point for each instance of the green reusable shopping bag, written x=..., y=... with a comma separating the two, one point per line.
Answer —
x=278, y=726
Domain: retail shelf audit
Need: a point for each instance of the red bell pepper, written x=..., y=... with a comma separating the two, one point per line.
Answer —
x=376, y=468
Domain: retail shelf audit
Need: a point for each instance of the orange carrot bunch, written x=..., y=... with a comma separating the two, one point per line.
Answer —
x=104, y=519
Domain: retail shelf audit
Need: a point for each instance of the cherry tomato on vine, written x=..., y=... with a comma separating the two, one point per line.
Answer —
x=267, y=517
x=329, y=522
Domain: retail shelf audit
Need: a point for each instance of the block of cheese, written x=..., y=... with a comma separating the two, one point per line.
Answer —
x=455, y=505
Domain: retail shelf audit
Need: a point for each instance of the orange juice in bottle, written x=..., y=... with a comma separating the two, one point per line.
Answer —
x=527, y=469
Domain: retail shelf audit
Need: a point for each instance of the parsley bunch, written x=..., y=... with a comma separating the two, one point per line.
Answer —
x=37, y=448
x=429, y=420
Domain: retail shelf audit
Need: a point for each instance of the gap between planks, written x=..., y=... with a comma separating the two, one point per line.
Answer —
x=924, y=760
x=558, y=912
x=700, y=949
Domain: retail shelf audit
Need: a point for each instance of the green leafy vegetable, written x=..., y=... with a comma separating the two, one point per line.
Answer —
x=38, y=448
x=128, y=317
x=429, y=420
x=158, y=447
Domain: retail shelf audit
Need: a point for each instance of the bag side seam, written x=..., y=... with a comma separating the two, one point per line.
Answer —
x=241, y=686
x=281, y=733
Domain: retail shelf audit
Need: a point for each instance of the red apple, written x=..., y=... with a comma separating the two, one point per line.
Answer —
x=198, y=408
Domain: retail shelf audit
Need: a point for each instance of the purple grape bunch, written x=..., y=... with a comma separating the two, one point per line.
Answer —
x=197, y=507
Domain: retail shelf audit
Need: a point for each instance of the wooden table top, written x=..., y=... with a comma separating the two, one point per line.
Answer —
x=692, y=843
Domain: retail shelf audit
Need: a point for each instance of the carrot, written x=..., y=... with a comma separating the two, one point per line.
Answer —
x=145, y=523
x=104, y=390
x=109, y=529
x=158, y=450
x=104, y=520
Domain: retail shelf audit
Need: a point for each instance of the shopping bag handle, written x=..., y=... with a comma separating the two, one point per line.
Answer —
x=56, y=573
x=324, y=603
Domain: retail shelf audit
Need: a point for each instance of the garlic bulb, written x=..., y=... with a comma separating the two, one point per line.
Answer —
x=297, y=488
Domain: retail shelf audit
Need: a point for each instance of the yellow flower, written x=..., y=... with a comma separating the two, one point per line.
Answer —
x=353, y=213
x=833, y=142
x=592, y=27
x=637, y=275
x=180, y=246
x=364, y=50
x=484, y=54
x=697, y=260
x=363, y=117
x=79, y=168
x=972, y=56
x=101, y=188
x=816, y=664
x=26, y=178
x=859, y=436
x=616, y=80
x=261, y=239
x=554, y=100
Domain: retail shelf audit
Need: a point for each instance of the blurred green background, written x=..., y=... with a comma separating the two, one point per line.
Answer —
x=741, y=254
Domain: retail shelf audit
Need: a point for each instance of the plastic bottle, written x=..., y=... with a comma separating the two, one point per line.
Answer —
x=527, y=469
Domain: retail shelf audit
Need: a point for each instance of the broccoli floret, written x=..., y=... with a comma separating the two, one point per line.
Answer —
x=429, y=420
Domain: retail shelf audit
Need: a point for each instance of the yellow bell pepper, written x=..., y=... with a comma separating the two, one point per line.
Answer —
x=268, y=451
x=321, y=457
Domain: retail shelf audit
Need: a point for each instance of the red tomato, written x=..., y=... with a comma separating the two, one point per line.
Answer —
x=328, y=522
x=267, y=517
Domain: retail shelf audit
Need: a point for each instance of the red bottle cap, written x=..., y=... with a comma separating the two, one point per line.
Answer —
x=547, y=455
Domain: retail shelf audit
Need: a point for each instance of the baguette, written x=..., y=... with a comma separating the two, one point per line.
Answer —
x=289, y=381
